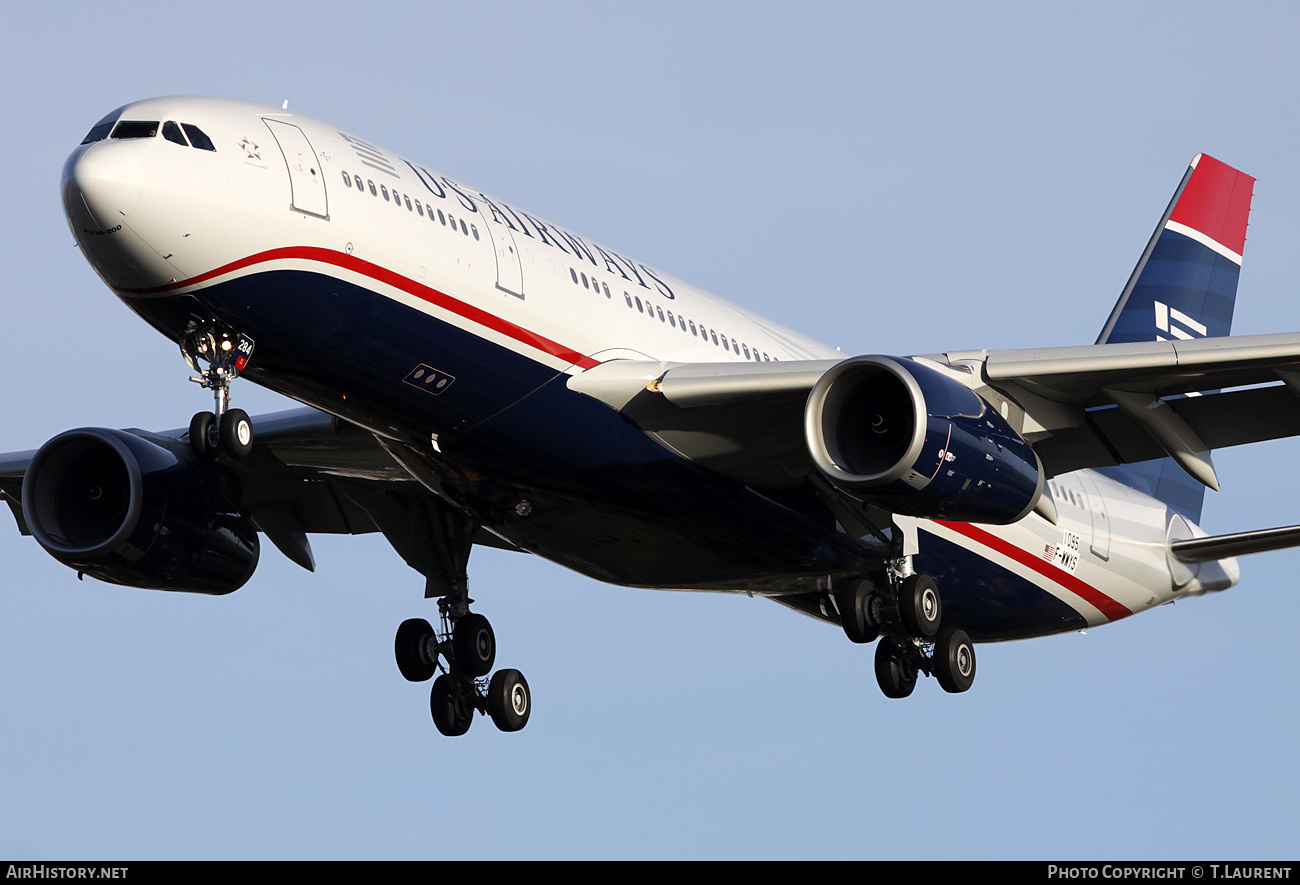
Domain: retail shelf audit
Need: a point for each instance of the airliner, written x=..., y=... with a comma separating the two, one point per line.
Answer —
x=473, y=374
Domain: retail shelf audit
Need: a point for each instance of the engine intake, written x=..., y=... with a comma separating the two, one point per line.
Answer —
x=904, y=437
x=127, y=510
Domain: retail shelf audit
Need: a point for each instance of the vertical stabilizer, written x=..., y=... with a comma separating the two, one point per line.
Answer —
x=1184, y=286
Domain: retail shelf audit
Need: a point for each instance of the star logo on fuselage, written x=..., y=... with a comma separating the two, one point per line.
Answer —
x=250, y=148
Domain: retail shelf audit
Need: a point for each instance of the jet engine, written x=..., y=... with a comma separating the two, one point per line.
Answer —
x=129, y=510
x=904, y=437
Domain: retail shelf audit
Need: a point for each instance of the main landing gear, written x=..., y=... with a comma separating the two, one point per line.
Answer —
x=464, y=649
x=906, y=614
x=436, y=538
x=226, y=354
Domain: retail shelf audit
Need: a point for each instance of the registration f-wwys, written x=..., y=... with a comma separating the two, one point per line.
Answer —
x=474, y=374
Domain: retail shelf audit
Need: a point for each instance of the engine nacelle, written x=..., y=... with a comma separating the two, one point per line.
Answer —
x=904, y=437
x=126, y=510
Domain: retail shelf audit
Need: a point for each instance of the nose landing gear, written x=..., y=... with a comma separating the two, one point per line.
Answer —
x=226, y=354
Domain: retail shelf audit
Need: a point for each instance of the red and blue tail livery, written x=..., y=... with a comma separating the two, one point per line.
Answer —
x=1185, y=283
x=1185, y=287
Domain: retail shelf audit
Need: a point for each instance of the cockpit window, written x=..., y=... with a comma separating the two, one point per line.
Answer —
x=198, y=137
x=172, y=133
x=135, y=129
x=100, y=130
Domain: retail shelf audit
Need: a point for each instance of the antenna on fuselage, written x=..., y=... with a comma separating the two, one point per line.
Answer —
x=285, y=106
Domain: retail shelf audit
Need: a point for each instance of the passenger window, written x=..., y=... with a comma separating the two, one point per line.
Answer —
x=383, y=189
x=198, y=138
x=407, y=201
x=373, y=192
x=172, y=133
x=347, y=179
x=135, y=129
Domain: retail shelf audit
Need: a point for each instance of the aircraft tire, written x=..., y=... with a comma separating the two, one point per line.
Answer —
x=409, y=648
x=855, y=599
x=894, y=672
x=236, y=433
x=474, y=645
x=919, y=606
x=449, y=716
x=954, y=661
x=201, y=436
x=510, y=702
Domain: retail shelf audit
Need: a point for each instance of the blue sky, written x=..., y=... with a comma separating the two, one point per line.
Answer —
x=887, y=179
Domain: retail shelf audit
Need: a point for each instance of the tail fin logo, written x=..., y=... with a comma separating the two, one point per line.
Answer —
x=1172, y=323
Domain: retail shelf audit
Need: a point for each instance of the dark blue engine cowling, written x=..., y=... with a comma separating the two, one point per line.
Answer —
x=127, y=510
x=904, y=437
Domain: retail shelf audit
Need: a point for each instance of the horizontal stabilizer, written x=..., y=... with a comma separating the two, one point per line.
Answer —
x=1240, y=544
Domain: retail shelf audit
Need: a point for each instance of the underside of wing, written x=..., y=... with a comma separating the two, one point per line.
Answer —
x=143, y=508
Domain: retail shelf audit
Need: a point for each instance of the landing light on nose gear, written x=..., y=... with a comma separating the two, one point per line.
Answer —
x=226, y=354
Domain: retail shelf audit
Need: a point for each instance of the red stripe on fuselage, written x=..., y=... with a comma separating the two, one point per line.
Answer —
x=391, y=278
x=1112, y=609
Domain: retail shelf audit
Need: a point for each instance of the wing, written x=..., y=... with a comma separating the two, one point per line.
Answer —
x=309, y=472
x=1113, y=404
x=1091, y=406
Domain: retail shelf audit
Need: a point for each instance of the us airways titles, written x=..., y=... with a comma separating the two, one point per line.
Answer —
x=514, y=219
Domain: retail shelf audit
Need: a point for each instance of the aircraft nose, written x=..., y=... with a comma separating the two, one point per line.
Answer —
x=101, y=183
